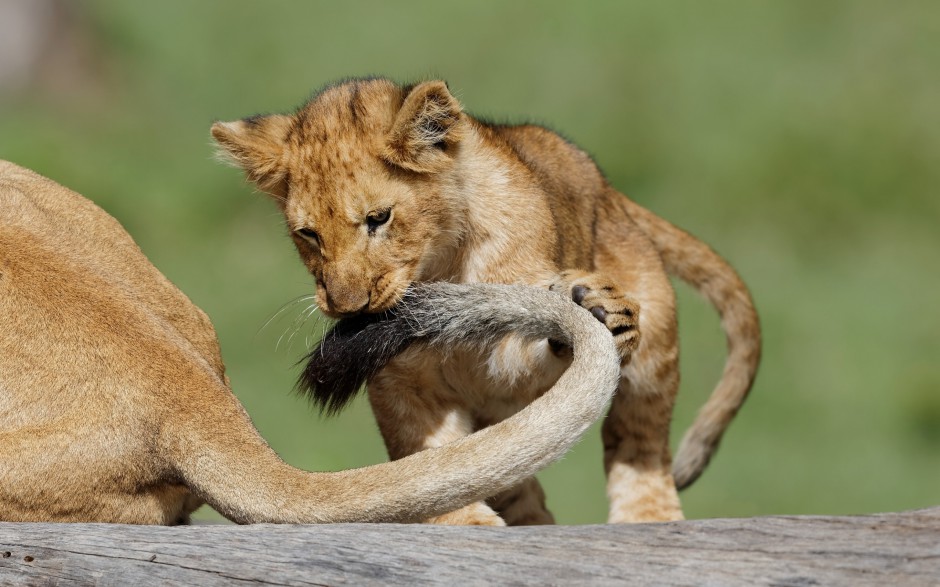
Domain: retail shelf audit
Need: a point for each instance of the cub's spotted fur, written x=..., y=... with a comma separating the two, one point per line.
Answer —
x=383, y=186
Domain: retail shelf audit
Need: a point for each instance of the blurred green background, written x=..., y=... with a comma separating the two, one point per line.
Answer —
x=801, y=139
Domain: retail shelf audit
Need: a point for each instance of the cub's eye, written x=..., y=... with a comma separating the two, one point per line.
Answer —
x=377, y=218
x=309, y=235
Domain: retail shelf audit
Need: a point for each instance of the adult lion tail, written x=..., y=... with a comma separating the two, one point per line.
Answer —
x=255, y=486
x=696, y=263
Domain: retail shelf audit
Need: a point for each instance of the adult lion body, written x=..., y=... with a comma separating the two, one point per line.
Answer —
x=383, y=186
x=114, y=406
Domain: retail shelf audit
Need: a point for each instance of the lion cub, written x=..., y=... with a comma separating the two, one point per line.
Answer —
x=383, y=186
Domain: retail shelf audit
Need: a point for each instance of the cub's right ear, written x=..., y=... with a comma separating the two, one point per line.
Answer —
x=256, y=144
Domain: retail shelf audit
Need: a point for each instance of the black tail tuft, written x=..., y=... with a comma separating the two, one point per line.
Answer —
x=348, y=355
x=439, y=314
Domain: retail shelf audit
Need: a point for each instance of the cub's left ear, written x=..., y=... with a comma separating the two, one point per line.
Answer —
x=428, y=123
x=257, y=145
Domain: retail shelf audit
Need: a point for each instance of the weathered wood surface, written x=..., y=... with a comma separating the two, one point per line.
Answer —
x=883, y=550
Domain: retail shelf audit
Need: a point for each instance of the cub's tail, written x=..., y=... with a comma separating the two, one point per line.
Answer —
x=694, y=262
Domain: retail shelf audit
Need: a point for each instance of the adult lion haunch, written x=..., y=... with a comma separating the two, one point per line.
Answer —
x=114, y=406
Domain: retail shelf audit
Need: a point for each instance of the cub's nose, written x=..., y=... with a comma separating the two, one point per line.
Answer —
x=348, y=304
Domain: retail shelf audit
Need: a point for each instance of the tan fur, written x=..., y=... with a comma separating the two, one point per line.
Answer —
x=466, y=202
x=114, y=406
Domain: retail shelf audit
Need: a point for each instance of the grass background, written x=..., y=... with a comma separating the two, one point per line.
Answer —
x=801, y=139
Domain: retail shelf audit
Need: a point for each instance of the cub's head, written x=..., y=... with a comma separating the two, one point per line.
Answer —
x=365, y=176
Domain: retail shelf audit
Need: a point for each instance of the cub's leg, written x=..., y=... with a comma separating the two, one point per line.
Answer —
x=416, y=410
x=636, y=432
x=523, y=505
x=636, y=455
x=519, y=371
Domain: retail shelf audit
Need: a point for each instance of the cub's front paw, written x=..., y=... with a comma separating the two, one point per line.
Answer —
x=475, y=514
x=607, y=303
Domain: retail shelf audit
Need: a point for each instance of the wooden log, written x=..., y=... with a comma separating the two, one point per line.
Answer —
x=882, y=550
